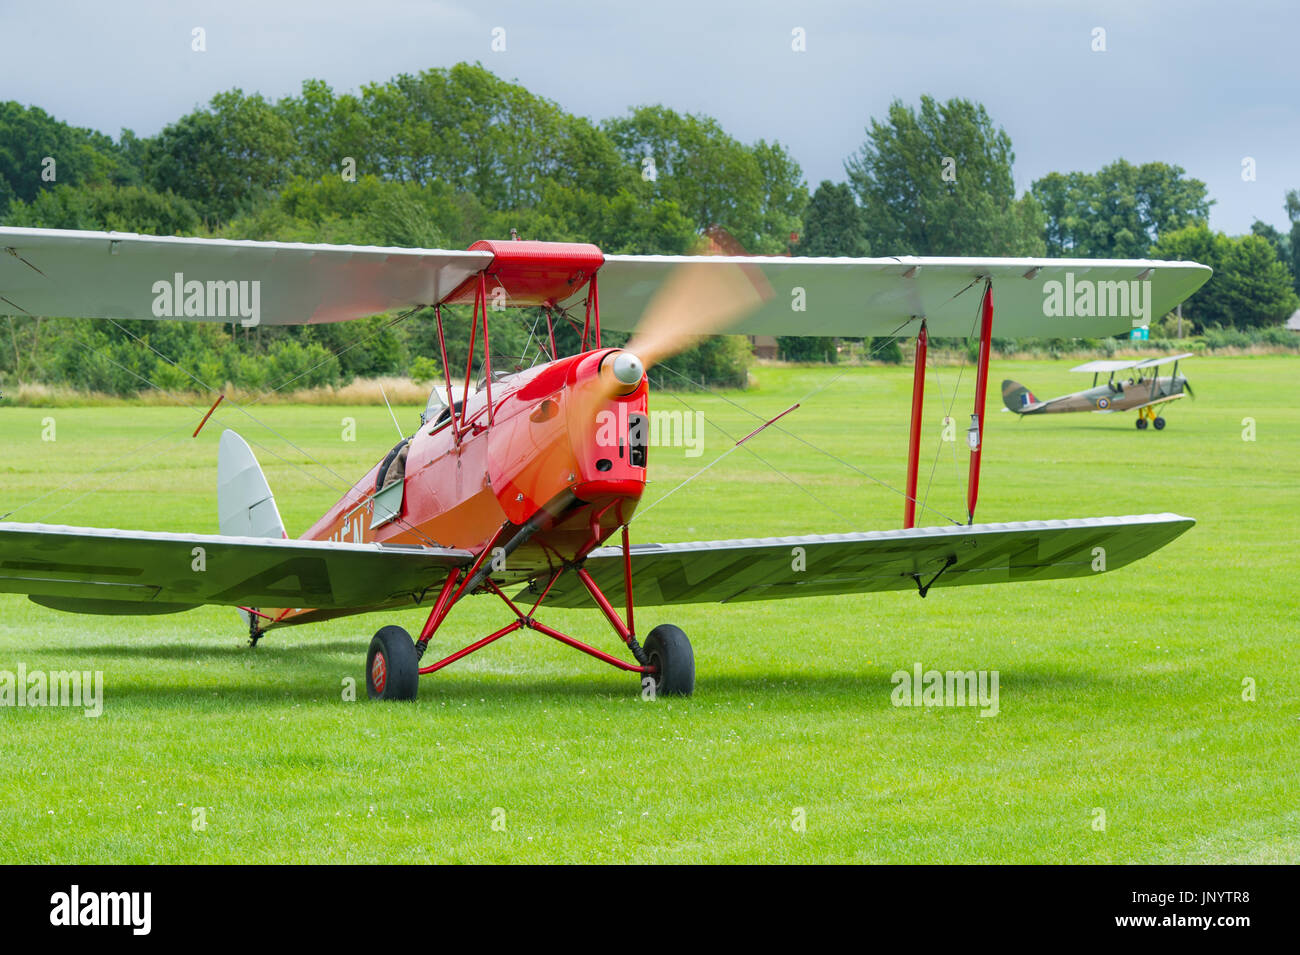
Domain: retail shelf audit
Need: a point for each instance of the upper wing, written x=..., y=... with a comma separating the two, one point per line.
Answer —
x=1106, y=365
x=776, y=567
x=100, y=570
x=122, y=275
x=859, y=297
x=1163, y=359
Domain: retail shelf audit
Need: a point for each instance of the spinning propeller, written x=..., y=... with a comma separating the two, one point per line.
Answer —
x=698, y=299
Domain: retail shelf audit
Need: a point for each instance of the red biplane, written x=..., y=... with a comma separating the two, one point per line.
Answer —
x=509, y=488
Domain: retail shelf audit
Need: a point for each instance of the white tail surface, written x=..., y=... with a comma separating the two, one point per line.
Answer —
x=245, y=504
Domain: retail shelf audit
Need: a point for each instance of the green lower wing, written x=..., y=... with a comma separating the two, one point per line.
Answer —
x=779, y=567
x=106, y=571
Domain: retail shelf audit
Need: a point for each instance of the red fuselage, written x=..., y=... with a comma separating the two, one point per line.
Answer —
x=554, y=439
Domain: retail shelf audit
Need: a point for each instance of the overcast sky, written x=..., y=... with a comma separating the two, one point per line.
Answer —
x=1199, y=84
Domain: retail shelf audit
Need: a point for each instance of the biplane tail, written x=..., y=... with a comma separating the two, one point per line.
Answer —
x=245, y=504
x=1017, y=397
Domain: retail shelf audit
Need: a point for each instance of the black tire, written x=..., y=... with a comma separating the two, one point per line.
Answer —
x=1159, y=423
x=670, y=652
x=1142, y=424
x=397, y=675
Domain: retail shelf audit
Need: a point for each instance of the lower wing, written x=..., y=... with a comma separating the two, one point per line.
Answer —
x=1156, y=401
x=777, y=567
x=105, y=571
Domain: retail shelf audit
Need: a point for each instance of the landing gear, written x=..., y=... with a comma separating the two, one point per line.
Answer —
x=254, y=631
x=392, y=667
x=1148, y=416
x=673, y=660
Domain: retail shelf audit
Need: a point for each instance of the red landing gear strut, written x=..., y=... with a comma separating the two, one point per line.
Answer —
x=666, y=662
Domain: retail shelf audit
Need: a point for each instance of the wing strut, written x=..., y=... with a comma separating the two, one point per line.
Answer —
x=451, y=395
x=976, y=434
x=924, y=589
x=914, y=439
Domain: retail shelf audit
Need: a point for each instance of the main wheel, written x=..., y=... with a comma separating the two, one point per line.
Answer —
x=392, y=668
x=674, y=660
x=1141, y=424
x=1159, y=423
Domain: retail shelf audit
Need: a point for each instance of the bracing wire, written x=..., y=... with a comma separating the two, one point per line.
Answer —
x=952, y=401
x=343, y=483
x=800, y=438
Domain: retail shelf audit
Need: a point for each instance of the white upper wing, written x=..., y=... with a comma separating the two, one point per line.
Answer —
x=116, y=275
x=1106, y=365
x=120, y=275
x=1163, y=359
x=859, y=297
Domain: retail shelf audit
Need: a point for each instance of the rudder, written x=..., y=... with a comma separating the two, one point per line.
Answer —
x=245, y=505
x=1017, y=397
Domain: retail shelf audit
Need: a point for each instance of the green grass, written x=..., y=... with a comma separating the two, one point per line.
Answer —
x=1122, y=692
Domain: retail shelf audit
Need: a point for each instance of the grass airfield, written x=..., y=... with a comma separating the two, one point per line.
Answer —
x=1121, y=693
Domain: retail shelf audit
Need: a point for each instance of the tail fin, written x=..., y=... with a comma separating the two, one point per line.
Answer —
x=1017, y=397
x=245, y=505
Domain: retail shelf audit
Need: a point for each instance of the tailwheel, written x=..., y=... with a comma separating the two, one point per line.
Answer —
x=392, y=667
x=1141, y=423
x=1159, y=423
x=670, y=653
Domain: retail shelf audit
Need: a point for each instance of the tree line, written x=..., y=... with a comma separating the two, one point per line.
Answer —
x=447, y=156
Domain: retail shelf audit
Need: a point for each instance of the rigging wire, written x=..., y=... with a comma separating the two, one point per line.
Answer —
x=737, y=444
x=85, y=477
x=343, y=482
x=801, y=439
x=241, y=408
x=951, y=402
x=95, y=490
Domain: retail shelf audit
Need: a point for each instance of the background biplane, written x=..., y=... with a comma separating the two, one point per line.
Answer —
x=511, y=485
x=1139, y=393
